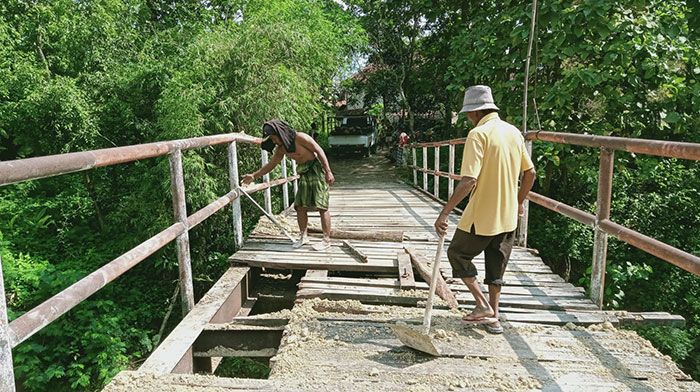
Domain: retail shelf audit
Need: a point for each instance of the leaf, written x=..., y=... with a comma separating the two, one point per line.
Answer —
x=672, y=117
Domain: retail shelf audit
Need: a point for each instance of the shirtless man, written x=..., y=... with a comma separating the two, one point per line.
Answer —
x=315, y=175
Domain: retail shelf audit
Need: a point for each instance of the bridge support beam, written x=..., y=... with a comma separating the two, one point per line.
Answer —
x=220, y=304
x=521, y=238
x=600, y=238
x=425, y=169
x=450, y=170
x=285, y=186
x=436, y=178
x=415, y=164
x=7, y=376
x=294, y=173
x=266, y=178
x=236, y=205
x=177, y=187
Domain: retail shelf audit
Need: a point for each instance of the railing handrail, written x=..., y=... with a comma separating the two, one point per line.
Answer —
x=670, y=149
x=600, y=222
x=34, y=320
x=53, y=165
x=20, y=170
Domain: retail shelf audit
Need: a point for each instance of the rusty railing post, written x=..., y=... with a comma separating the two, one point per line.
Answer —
x=600, y=238
x=236, y=205
x=415, y=164
x=266, y=179
x=7, y=376
x=295, y=185
x=285, y=186
x=451, y=171
x=425, y=169
x=521, y=239
x=177, y=188
x=436, y=177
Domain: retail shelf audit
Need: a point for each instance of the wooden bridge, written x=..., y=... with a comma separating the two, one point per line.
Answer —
x=336, y=337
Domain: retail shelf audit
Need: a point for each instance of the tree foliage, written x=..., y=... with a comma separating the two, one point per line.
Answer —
x=628, y=69
x=83, y=75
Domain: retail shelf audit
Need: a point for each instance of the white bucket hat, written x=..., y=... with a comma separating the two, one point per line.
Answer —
x=478, y=98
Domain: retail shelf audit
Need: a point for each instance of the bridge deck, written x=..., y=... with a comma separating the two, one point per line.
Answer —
x=337, y=336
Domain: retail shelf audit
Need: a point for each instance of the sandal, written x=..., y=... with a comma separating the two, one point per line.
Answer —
x=303, y=240
x=485, y=320
x=477, y=315
x=321, y=246
x=494, y=328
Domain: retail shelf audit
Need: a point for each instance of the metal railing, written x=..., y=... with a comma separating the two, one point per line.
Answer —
x=16, y=171
x=600, y=222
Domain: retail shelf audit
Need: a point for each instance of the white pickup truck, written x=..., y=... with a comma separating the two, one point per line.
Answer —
x=354, y=132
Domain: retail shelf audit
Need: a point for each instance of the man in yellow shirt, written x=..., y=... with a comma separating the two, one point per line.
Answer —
x=494, y=157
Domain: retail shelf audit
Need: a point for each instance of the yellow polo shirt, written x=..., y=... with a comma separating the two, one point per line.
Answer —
x=495, y=155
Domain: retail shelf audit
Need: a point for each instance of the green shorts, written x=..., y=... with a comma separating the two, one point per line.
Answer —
x=312, y=192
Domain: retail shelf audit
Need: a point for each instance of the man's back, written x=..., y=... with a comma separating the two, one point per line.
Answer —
x=495, y=155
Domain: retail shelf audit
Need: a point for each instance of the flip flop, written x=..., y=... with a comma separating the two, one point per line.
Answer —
x=321, y=246
x=474, y=319
x=496, y=330
x=485, y=320
x=300, y=242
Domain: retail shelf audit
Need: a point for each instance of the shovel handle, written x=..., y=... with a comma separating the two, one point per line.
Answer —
x=273, y=220
x=433, y=285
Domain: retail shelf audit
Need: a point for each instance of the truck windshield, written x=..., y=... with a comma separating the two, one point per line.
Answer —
x=355, y=121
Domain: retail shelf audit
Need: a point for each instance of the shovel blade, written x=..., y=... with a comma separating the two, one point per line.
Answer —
x=415, y=339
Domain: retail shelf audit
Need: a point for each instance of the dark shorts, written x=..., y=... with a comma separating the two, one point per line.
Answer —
x=466, y=246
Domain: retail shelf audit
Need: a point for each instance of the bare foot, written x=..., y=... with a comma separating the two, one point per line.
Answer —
x=478, y=313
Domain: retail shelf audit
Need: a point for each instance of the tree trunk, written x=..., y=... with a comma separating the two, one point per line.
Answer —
x=93, y=196
x=385, y=235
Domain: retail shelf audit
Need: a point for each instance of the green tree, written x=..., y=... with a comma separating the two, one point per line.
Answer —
x=84, y=75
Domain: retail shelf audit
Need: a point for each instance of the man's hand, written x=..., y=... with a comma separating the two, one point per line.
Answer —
x=521, y=209
x=441, y=224
x=247, y=179
x=329, y=178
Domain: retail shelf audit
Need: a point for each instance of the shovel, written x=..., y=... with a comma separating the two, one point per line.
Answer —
x=273, y=220
x=420, y=339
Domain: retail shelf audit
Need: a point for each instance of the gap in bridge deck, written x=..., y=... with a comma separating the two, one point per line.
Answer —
x=272, y=291
x=275, y=290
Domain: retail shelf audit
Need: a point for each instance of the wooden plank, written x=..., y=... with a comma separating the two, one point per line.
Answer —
x=331, y=264
x=422, y=265
x=456, y=288
x=266, y=178
x=392, y=297
x=281, y=244
x=268, y=242
x=316, y=273
x=538, y=273
x=652, y=318
x=560, y=318
x=406, y=278
x=177, y=345
x=384, y=235
x=358, y=254
x=462, y=297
